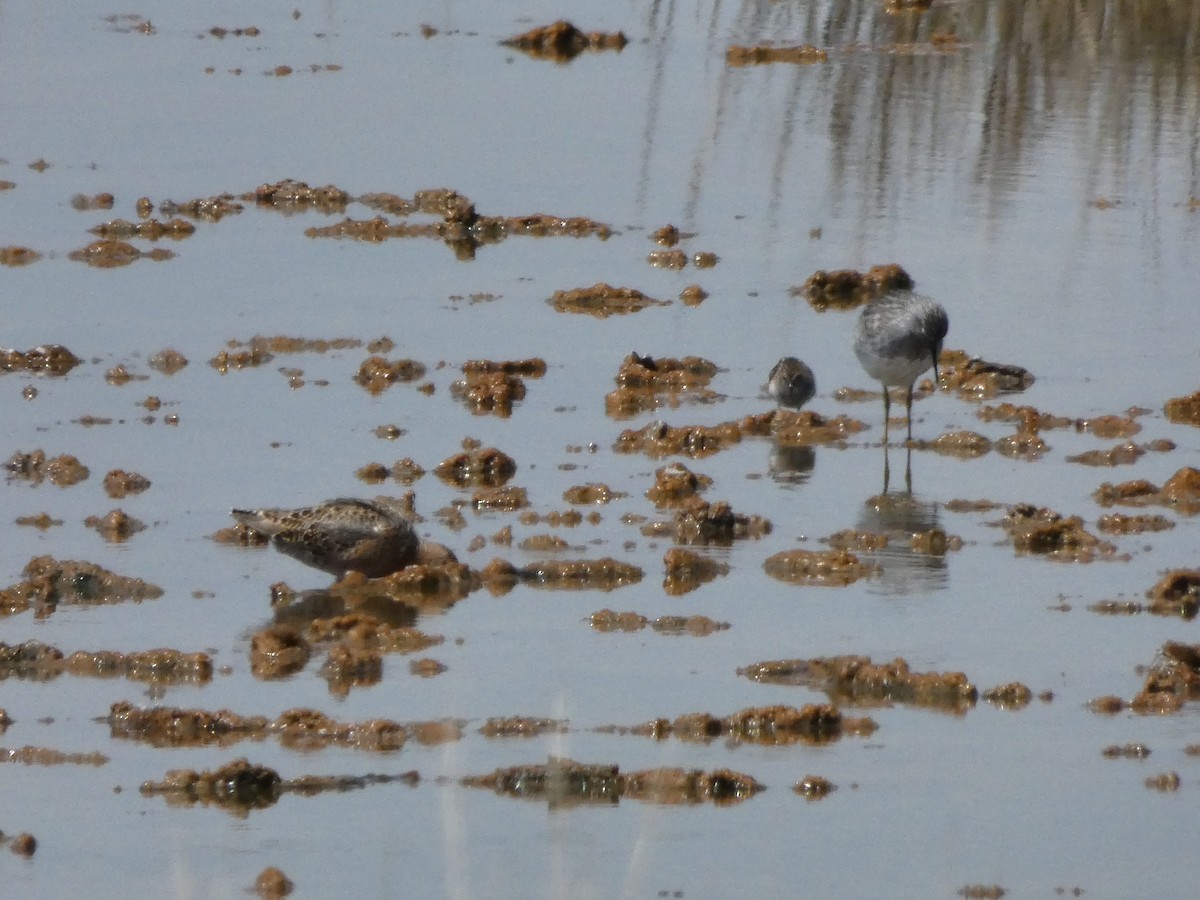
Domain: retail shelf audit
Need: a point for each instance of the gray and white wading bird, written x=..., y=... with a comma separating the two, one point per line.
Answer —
x=791, y=383
x=898, y=337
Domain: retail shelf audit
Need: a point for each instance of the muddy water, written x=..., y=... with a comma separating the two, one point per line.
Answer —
x=1031, y=168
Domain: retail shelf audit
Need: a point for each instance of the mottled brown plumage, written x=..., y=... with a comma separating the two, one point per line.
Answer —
x=339, y=536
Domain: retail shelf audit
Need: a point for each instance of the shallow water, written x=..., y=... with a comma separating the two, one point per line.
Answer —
x=1036, y=178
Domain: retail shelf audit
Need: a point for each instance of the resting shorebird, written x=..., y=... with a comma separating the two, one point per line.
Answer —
x=791, y=383
x=898, y=337
x=339, y=536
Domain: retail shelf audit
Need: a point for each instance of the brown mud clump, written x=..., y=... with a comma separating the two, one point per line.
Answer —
x=208, y=209
x=1119, y=523
x=675, y=485
x=1009, y=696
x=602, y=300
x=1177, y=593
x=24, y=844
x=116, y=527
x=163, y=726
x=50, y=582
x=1180, y=492
x=289, y=196
x=521, y=726
x=765, y=726
x=803, y=428
x=821, y=568
x=486, y=390
x=814, y=787
x=977, y=379
x=698, y=521
x=1125, y=454
x=150, y=229
x=271, y=884
x=238, y=786
x=606, y=620
x=18, y=256
x=605, y=574
x=377, y=374
x=686, y=571
x=1184, y=410
x=564, y=783
x=119, y=484
x=45, y=756
x=110, y=254
x=561, y=41
x=846, y=288
x=591, y=495
x=278, y=651
x=168, y=361
x=48, y=359
x=856, y=681
x=477, y=467
x=803, y=54
x=1043, y=532
x=644, y=383
x=63, y=471
x=1172, y=680
x=694, y=441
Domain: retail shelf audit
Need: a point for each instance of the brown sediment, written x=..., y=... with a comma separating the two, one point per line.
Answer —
x=116, y=526
x=1128, y=751
x=963, y=444
x=694, y=441
x=119, y=484
x=150, y=229
x=934, y=542
x=44, y=756
x=667, y=236
x=346, y=667
x=534, y=367
x=1119, y=523
x=475, y=466
x=693, y=295
x=435, y=582
x=209, y=209
x=856, y=681
x=426, y=667
x=544, y=543
x=109, y=254
x=1013, y=695
x=1046, y=533
x=644, y=383
x=856, y=540
x=591, y=494
x=687, y=570
x=271, y=883
x=167, y=361
x=119, y=375
x=41, y=520
x=823, y=568
x=696, y=626
x=18, y=256
x=1121, y=455
x=483, y=391
x=50, y=582
x=1180, y=492
x=521, y=726
x=50, y=359
x=1184, y=410
x=667, y=259
x=295, y=196
x=675, y=485
x=565, y=783
x=242, y=535
x=977, y=379
x=798, y=428
x=162, y=726
x=370, y=633
x=968, y=891
x=561, y=41
x=804, y=54
x=1177, y=593
x=698, y=521
x=83, y=203
x=34, y=467
x=814, y=787
x=602, y=300
x=1167, y=782
x=24, y=844
x=33, y=660
x=376, y=374
x=278, y=651
x=502, y=499
x=846, y=288
x=605, y=574
x=1173, y=680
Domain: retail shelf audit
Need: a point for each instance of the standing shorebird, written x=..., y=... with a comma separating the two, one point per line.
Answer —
x=791, y=383
x=339, y=536
x=898, y=337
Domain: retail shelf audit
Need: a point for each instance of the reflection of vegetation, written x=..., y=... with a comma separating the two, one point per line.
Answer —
x=972, y=91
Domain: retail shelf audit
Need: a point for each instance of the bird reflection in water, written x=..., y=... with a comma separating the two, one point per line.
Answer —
x=913, y=560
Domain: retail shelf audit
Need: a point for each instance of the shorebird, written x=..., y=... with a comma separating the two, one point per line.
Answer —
x=339, y=536
x=791, y=383
x=898, y=337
